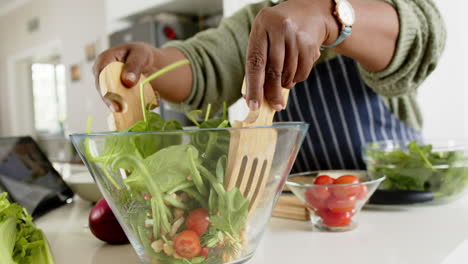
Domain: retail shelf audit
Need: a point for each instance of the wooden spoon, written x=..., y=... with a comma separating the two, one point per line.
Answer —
x=251, y=152
x=128, y=98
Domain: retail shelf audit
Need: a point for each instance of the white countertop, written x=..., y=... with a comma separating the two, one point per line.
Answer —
x=436, y=234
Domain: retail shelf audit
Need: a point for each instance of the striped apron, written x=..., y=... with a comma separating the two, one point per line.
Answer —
x=343, y=113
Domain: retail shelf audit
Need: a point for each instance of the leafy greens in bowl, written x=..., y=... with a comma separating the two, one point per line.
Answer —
x=169, y=193
x=440, y=168
x=166, y=185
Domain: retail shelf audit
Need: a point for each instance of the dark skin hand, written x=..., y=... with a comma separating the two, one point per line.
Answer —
x=284, y=44
x=142, y=58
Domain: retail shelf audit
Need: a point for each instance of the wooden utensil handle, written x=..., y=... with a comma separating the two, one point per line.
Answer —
x=129, y=99
x=264, y=115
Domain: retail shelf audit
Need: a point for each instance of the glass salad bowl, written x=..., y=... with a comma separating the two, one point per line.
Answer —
x=167, y=190
x=431, y=171
x=334, y=198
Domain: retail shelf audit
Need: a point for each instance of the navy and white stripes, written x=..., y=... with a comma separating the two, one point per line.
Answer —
x=343, y=114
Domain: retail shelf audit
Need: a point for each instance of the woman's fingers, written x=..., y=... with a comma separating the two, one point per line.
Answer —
x=104, y=59
x=308, y=54
x=255, y=66
x=291, y=57
x=274, y=69
x=135, y=62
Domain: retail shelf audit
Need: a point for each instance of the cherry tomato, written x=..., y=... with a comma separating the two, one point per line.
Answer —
x=324, y=179
x=341, y=205
x=333, y=219
x=204, y=252
x=363, y=194
x=347, y=191
x=187, y=244
x=312, y=201
x=198, y=221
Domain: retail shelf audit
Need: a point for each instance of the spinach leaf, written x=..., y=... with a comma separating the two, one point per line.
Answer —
x=232, y=212
x=170, y=166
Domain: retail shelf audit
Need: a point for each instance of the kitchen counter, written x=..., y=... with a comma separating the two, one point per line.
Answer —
x=436, y=234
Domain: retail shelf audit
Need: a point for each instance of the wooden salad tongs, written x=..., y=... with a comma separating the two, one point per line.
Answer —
x=128, y=98
x=251, y=152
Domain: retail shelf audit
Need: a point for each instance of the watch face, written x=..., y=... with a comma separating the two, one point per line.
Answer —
x=345, y=13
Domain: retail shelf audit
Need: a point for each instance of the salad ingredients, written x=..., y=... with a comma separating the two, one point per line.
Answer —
x=310, y=196
x=198, y=221
x=334, y=219
x=20, y=240
x=339, y=205
x=205, y=252
x=419, y=167
x=347, y=191
x=173, y=193
x=104, y=225
x=187, y=244
x=322, y=193
x=336, y=202
x=324, y=179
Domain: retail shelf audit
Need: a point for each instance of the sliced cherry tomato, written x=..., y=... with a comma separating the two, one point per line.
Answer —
x=333, y=219
x=312, y=201
x=338, y=205
x=198, y=221
x=324, y=179
x=187, y=244
x=347, y=191
x=204, y=252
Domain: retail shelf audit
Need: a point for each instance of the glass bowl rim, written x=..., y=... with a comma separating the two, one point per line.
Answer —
x=448, y=144
x=193, y=129
x=308, y=185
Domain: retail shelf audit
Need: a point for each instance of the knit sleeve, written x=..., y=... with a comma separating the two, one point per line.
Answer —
x=217, y=59
x=420, y=44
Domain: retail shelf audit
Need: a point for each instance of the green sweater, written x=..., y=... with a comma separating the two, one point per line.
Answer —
x=217, y=59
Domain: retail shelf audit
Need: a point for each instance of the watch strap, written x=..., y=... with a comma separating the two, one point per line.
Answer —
x=346, y=32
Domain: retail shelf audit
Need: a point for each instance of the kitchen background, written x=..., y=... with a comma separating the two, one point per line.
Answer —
x=50, y=45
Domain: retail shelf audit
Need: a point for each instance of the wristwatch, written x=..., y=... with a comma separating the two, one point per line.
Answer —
x=344, y=12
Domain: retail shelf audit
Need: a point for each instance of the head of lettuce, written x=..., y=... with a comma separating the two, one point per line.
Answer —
x=20, y=241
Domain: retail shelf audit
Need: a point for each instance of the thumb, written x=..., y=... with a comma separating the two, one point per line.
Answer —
x=132, y=70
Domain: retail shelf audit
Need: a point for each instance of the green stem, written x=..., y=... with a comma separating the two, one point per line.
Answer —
x=224, y=110
x=196, y=195
x=223, y=124
x=196, y=177
x=180, y=187
x=428, y=163
x=212, y=179
x=208, y=110
x=192, y=118
x=174, y=202
x=164, y=70
x=156, y=217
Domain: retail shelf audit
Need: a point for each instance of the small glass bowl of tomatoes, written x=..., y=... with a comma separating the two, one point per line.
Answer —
x=334, y=198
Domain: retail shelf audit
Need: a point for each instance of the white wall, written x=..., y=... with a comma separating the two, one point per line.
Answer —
x=70, y=25
x=444, y=95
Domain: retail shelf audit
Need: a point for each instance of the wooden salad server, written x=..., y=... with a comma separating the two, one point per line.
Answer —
x=128, y=98
x=251, y=152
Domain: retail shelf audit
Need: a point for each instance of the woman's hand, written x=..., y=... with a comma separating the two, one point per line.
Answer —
x=284, y=44
x=142, y=58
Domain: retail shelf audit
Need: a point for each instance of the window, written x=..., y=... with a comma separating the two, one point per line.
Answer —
x=48, y=83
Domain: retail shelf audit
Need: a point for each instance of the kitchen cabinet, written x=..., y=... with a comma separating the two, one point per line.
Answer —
x=436, y=234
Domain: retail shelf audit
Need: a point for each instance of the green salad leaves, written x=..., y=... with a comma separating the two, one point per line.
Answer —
x=420, y=168
x=20, y=241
